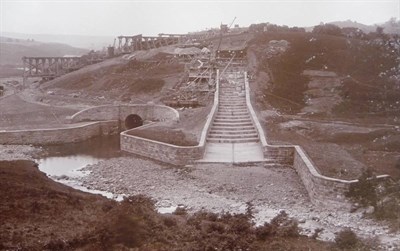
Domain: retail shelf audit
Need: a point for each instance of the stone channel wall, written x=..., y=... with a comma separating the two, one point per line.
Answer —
x=274, y=154
x=173, y=154
x=282, y=155
x=324, y=191
x=59, y=135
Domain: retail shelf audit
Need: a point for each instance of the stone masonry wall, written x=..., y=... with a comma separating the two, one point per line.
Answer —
x=59, y=135
x=176, y=155
x=282, y=155
x=111, y=112
x=324, y=191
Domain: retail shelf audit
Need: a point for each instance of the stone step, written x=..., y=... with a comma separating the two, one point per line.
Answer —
x=232, y=99
x=227, y=108
x=232, y=128
x=232, y=109
x=232, y=113
x=232, y=94
x=232, y=132
x=230, y=116
x=224, y=105
x=233, y=124
x=236, y=96
x=234, y=120
x=228, y=88
x=233, y=136
x=230, y=91
x=245, y=140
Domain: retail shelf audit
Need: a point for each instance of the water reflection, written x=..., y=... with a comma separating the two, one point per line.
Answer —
x=67, y=165
x=66, y=159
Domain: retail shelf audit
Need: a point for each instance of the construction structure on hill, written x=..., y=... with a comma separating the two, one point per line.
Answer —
x=50, y=67
x=129, y=44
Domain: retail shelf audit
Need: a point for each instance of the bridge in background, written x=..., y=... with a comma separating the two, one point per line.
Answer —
x=128, y=44
x=50, y=67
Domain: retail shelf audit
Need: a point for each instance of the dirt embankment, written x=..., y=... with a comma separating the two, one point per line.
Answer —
x=122, y=81
x=186, y=132
x=40, y=214
x=118, y=80
x=17, y=113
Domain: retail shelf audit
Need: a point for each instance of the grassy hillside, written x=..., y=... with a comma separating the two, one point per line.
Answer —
x=120, y=79
x=369, y=69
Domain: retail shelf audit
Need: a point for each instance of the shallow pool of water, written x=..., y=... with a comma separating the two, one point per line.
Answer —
x=67, y=159
x=66, y=165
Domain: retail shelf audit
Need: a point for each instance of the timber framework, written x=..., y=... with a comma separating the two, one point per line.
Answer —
x=128, y=44
x=50, y=67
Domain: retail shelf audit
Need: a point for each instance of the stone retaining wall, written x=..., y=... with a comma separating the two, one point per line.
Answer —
x=324, y=191
x=282, y=155
x=58, y=135
x=274, y=154
x=172, y=154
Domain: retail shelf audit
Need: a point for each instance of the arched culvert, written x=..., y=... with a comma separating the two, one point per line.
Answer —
x=133, y=121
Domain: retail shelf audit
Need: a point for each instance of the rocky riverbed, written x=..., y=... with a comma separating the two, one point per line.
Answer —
x=229, y=188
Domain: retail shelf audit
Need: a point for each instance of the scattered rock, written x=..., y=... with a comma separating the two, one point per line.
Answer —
x=370, y=210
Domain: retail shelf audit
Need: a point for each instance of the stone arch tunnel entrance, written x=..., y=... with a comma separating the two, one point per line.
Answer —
x=133, y=121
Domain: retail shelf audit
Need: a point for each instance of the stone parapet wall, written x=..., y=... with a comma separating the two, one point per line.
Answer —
x=120, y=112
x=324, y=191
x=172, y=154
x=282, y=155
x=59, y=135
x=274, y=154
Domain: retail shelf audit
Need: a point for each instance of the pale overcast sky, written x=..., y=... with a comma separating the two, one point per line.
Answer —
x=107, y=17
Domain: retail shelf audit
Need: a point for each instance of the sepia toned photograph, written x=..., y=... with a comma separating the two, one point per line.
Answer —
x=199, y=125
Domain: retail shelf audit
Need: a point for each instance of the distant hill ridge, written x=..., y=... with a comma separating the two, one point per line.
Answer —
x=392, y=26
x=79, y=41
x=13, y=49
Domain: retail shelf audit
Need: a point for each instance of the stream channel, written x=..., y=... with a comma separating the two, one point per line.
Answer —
x=63, y=162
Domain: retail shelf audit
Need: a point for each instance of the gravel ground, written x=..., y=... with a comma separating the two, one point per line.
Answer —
x=15, y=152
x=224, y=187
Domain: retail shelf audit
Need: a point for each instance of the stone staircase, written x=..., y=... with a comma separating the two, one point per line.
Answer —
x=232, y=123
